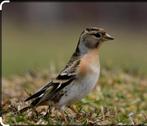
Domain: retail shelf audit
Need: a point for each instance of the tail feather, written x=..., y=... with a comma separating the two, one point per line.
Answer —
x=24, y=109
x=35, y=101
x=39, y=92
x=35, y=95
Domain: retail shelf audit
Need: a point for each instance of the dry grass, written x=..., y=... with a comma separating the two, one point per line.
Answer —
x=119, y=98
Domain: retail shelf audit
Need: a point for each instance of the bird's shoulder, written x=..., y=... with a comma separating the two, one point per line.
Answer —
x=70, y=69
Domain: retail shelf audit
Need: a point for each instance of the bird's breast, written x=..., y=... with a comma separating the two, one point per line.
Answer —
x=89, y=64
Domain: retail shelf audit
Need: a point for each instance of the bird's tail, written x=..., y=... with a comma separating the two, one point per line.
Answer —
x=24, y=109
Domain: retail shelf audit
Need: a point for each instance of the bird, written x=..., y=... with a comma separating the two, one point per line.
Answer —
x=79, y=77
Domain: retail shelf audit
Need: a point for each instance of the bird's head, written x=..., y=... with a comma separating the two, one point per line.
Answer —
x=91, y=38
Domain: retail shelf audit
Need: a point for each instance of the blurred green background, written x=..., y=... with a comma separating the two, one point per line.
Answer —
x=38, y=35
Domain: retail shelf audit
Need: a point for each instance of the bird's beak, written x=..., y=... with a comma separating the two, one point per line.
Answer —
x=108, y=37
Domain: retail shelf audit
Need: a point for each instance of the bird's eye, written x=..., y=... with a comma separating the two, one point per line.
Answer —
x=97, y=35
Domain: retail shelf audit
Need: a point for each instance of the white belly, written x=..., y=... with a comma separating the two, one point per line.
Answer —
x=80, y=88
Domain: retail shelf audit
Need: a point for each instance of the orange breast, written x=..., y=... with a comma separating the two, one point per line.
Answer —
x=89, y=59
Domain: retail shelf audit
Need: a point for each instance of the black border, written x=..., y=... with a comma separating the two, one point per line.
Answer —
x=1, y=64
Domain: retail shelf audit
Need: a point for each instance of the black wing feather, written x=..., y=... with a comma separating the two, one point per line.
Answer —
x=67, y=75
x=35, y=95
x=39, y=92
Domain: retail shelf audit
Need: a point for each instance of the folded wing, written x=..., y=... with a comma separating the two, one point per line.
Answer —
x=50, y=90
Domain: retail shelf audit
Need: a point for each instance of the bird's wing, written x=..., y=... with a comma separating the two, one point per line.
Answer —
x=66, y=76
x=39, y=92
x=70, y=69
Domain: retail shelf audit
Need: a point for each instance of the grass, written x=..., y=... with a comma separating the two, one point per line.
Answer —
x=119, y=98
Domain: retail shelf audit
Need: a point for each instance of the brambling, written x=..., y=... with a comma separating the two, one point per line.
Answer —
x=79, y=76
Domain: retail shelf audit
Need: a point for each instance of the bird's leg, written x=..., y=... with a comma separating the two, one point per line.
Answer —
x=63, y=112
x=64, y=116
x=72, y=108
x=35, y=111
x=48, y=111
